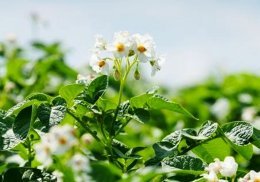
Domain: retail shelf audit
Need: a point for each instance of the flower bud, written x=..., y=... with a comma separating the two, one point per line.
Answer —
x=116, y=75
x=137, y=75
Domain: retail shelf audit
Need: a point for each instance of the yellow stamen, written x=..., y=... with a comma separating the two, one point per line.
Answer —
x=101, y=63
x=141, y=49
x=62, y=141
x=120, y=47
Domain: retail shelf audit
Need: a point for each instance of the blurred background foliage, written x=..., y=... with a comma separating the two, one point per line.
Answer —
x=229, y=98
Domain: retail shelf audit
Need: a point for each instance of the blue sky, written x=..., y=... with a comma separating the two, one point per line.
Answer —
x=198, y=37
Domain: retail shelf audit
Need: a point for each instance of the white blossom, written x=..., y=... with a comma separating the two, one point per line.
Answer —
x=85, y=79
x=98, y=64
x=100, y=44
x=228, y=167
x=43, y=151
x=156, y=64
x=63, y=138
x=87, y=138
x=252, y=176
x=221, y=108
x=79, y=163
x=211, y=176
x=214, y=166
x=248, y=114
x=245, y=98
x=122, y=44
x=145, y=47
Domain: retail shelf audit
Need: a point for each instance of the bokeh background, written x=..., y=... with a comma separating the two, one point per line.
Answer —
x=199, y=38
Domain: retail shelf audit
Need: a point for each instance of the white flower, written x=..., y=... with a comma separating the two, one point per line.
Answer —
x=122, y=44
x=252, y=176
x=214, y=166
x=87, y=138
x=228, y=167
x=156, y=64
x=99, y=65
x=43, y=151
x=248, y=114
x=245, y=98
x=63, y=138
x=144, y=47
x=211, y=176
x=100, y=43
x=79, y=163
x=221, y=108
x=82, y=79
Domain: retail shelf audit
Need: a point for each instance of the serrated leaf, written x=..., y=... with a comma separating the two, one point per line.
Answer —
x=158, y=102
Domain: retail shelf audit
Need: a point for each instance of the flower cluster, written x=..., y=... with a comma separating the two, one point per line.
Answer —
x=218, y=169
x=125, y=49
x=57, y=142
x=252, y=176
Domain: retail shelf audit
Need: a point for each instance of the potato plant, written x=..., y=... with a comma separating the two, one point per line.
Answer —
x=82, y=134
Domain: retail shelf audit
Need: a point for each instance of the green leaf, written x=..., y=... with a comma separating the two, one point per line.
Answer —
x=140, y=100
x=27, y=174
x=70, y=92
x=96, y=89
x=49, y=116
x=108, y=171
x=20, y=106
x=238, y=132
x=255, y=140
x=158, y=102
x=39, y=97
x=216, y=148
x=185, y=164
x=22, y=123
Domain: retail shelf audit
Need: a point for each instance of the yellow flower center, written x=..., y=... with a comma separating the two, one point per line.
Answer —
x=62, y=140
x=141, y=49
x=101, y=63
x=120, y=47
x=257, y=180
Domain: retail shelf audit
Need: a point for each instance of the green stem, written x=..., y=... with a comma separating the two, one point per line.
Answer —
x=83, y=125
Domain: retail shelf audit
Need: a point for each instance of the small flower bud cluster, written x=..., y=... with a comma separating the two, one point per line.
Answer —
x=218, y=169
x=122, y=50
